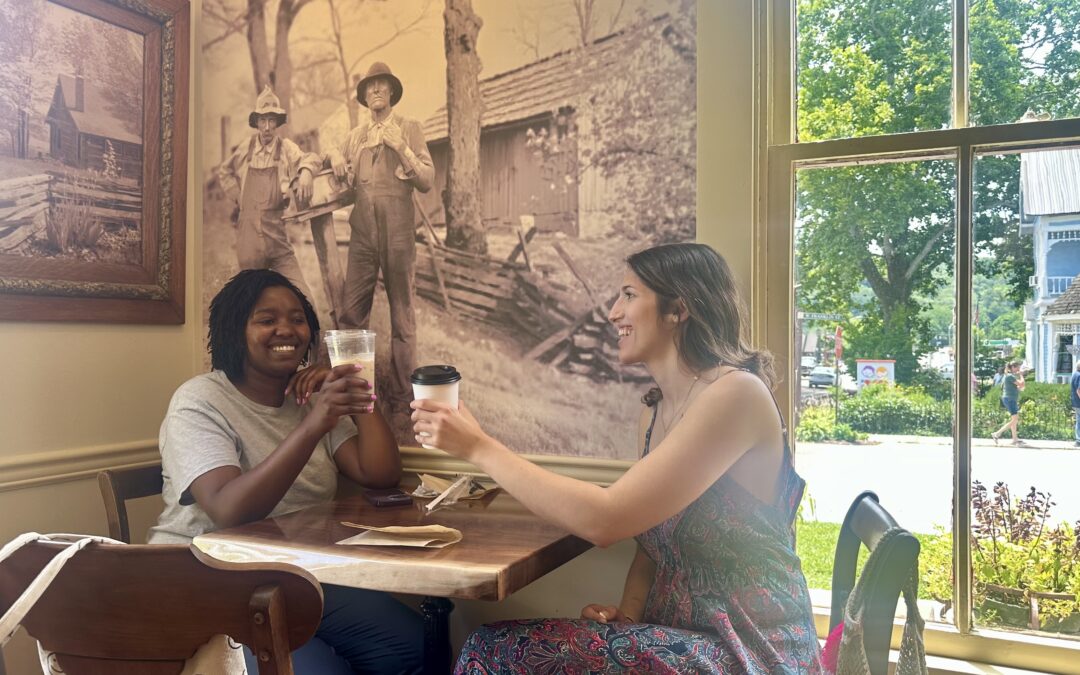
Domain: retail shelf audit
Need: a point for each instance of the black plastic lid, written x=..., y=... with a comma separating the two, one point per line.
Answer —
x=429, y=375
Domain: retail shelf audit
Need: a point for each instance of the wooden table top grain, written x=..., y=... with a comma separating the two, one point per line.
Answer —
x=504, y=547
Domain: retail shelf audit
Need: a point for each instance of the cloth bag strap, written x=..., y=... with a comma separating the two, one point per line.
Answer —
x=12, y=619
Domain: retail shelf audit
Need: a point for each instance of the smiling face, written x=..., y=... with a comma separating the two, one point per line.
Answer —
x=644, y=333
x=278, y=334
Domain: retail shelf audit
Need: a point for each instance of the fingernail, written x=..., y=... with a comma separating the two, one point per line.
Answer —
x=371, y=408
x=374, y=397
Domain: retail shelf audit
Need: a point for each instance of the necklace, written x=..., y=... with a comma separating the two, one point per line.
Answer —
x=681, y=409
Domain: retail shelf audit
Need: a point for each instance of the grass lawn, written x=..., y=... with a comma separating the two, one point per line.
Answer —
x=816, y=546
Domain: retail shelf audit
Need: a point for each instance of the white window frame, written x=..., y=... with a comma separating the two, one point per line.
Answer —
x=777, y=158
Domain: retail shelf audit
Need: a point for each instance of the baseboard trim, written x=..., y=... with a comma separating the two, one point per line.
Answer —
x=35, y=469
x=60, y=466
x=599, y=471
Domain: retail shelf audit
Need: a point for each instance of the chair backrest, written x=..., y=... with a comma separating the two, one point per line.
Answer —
x=126, y=609
x=865, y=523
x=118, y=486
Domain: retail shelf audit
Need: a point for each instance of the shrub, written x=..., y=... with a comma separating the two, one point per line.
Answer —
x=1015, y=550
x=895, y=409
x=817, y=423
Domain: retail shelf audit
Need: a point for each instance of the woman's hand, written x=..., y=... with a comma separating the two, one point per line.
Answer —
x=343, y=392
x=306, y=382
x=604, y=614
x=454, y=430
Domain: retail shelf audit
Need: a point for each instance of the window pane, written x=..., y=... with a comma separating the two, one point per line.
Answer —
x=1025, y=56
x=874, y=266
x=1026, y=302
x=872, y=68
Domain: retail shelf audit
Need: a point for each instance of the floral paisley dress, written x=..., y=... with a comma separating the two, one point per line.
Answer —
x=729, y=597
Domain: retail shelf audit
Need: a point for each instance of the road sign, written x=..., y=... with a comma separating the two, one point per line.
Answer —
x=820, y=316
x=838, y=350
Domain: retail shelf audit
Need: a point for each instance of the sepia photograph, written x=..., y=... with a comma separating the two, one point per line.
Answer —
x=465, y=179
x=77, y=216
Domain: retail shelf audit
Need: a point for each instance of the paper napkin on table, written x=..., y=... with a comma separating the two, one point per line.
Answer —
x=420, y=536
x=464, y=487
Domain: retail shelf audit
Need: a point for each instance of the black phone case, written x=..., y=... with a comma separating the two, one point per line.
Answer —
x=391, y=497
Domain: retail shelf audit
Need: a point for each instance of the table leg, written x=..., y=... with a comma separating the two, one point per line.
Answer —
x=436, y=613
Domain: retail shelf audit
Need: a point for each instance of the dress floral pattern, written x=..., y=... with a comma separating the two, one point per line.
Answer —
x=729, y=597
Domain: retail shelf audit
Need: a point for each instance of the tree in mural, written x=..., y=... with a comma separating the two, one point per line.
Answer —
x=268, y=67
x=24, y=45
x=464, y=108
x=884, y=67
x=328, y=66
x=332, y=66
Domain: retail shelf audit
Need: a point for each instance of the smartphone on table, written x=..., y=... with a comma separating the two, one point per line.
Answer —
x=388, y=497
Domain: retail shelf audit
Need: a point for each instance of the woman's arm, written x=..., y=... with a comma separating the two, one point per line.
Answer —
x=370, y=458
x=232, y=497
x=728, y=418
x=639, y=581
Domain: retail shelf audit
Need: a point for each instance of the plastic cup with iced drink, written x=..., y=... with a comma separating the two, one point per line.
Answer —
x=436, y=383
x=353, y=346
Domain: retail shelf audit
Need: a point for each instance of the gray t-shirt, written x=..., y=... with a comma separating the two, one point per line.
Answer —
x=211, y=424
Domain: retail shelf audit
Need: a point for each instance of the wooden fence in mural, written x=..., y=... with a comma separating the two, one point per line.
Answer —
x=26, y=202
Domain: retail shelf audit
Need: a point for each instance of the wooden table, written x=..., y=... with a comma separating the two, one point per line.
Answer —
x=505, y=547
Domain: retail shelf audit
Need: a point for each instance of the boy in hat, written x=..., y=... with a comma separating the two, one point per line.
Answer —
x=256, y=178
x=389, y=158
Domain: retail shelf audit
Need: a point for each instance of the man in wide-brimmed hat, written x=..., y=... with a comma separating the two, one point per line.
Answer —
x=256, y=178
x=388, y=158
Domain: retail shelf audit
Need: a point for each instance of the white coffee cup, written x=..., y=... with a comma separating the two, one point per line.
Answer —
x=436, y=383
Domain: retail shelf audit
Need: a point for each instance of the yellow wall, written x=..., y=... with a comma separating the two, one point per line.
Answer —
x=82, y=397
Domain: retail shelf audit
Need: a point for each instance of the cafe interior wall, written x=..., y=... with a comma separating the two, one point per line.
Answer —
x=79, y=398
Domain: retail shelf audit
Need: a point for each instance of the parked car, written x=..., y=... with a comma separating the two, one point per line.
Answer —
x=822, y=376
x=807, y=365
x=947, y=370
x=825, y=376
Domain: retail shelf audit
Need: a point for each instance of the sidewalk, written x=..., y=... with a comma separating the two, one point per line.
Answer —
x=976, y=442
x=913, y=476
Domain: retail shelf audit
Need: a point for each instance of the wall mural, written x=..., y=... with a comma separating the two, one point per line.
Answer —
x=485, y=228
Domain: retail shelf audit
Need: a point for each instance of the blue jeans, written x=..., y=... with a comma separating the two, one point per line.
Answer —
x=1076, y=411
x=361, y=631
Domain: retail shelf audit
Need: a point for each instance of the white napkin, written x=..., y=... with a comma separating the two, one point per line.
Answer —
x=420, y=536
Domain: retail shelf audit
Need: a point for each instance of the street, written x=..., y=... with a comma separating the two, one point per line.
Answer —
x=913, y=476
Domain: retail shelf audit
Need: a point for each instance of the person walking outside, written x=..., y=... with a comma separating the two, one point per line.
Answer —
x=256, y=179
x=1011, y=386
x=388, y=158
x=1074, y=389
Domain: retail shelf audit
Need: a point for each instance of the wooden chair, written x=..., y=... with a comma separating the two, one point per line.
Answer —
x=865, y=523
x=118, y=486
x=127, y=610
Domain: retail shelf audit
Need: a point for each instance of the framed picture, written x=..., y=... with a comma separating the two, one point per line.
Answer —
x=93, y=160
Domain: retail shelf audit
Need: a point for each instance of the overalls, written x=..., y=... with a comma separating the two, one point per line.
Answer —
x=383, y=236
x=261, y=241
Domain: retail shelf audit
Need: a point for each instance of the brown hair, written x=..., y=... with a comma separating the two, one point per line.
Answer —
x=715, y=330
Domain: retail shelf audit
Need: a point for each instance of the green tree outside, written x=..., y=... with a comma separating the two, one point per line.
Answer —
x=884, y=67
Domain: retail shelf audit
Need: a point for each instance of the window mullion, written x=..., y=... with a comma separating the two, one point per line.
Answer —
x=964, y=254
x=960, y=60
